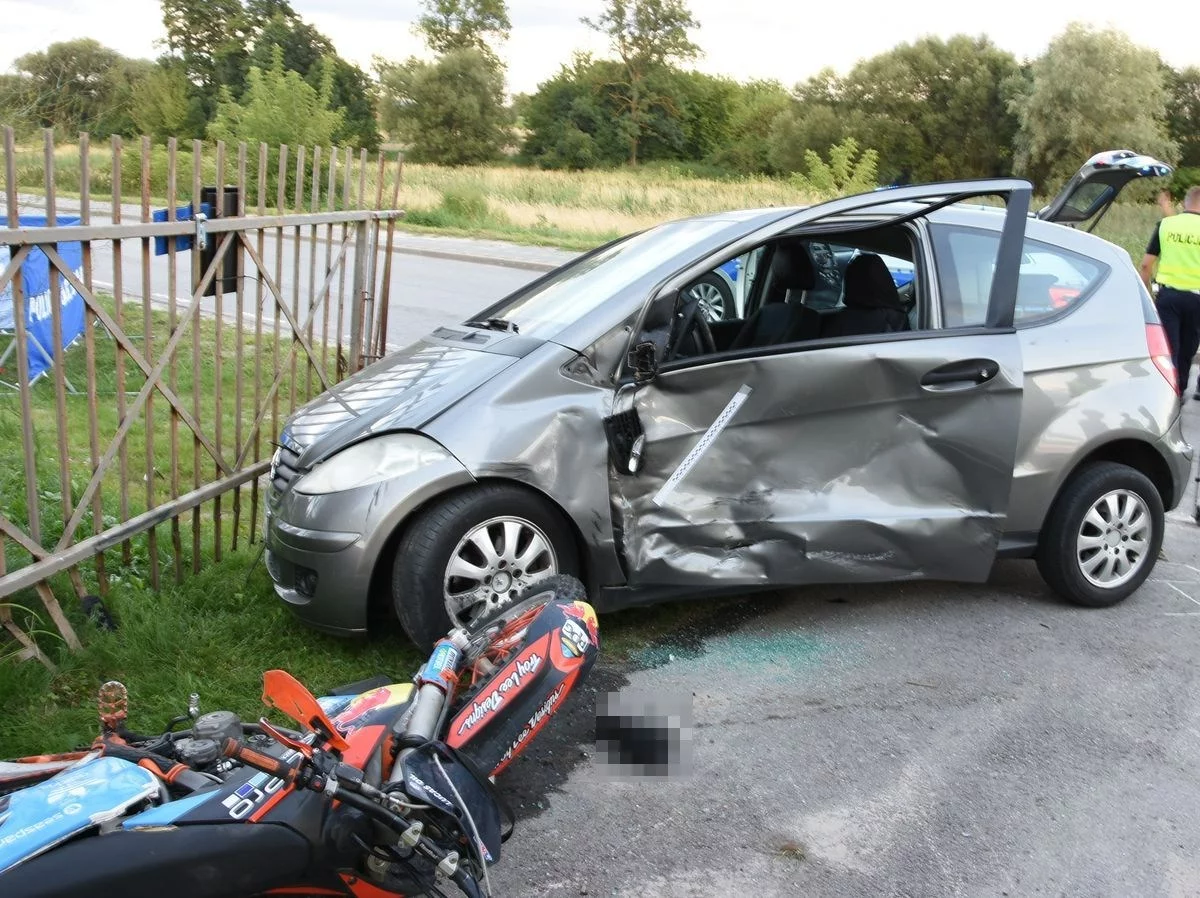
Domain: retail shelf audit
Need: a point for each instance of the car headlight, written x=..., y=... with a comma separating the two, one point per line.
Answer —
x=373, y=460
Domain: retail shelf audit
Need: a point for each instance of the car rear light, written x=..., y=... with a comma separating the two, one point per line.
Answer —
x=1160, y=354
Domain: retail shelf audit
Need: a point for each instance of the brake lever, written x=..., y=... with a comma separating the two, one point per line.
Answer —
x=282, y=738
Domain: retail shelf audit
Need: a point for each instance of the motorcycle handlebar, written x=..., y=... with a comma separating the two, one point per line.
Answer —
x=238, y=751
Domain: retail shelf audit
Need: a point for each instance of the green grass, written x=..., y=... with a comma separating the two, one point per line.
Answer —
x=215, y=634
x=130, y=569
x=1129, y=225
x=142, y=487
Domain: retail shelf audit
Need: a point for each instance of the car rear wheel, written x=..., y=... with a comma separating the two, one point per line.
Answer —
x=1103, y=535
x=469, y=555
x=714, y=295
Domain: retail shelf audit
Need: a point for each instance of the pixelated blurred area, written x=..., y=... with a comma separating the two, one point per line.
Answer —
x=639, y=734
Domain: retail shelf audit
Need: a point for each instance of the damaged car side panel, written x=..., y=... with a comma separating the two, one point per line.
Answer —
x=541, y=426
x=837, y=464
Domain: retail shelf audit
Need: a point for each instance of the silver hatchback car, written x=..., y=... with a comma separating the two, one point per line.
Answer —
x=916, y=384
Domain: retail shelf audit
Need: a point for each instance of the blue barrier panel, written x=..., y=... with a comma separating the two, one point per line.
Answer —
x=35, y=275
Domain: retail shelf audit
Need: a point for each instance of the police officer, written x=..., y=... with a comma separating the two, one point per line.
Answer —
x=1175, y=247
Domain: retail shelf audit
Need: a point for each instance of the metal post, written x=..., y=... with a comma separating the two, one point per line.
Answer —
x=357, y=296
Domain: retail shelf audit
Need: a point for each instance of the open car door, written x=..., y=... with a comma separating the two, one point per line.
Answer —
x=870, y=457
x=1094, y=188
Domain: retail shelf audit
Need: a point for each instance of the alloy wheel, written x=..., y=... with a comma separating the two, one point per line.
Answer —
x=492, y=564
x=1114, y=539
x=712, y=301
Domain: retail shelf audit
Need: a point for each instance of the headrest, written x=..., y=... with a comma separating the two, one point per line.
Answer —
x=869, y=284
x=791, y=269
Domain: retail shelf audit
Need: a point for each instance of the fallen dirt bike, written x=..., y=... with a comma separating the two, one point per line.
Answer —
x=383, y=791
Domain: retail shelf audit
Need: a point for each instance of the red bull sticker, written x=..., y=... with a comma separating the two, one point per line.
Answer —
x=586, y=615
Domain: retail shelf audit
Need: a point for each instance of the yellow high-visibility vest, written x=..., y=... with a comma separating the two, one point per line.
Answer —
x=1179, y=251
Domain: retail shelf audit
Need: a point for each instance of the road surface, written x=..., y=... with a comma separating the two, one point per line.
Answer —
x=914, y=739
x=434, y=280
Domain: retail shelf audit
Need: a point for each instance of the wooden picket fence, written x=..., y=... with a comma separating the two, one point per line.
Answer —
x=142, y=450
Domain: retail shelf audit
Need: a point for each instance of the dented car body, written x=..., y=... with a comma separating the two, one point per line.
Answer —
x=840, y=428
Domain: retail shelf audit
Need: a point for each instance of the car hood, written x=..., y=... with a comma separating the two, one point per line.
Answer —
x=403, y=391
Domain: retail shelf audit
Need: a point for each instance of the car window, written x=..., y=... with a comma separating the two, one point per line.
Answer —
x=544, y=308
x=1051, y=279
x=767, y=297
x=723, y=292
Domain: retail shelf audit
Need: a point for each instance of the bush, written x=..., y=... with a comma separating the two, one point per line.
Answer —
x=463, y=207
x=846, y=172
x=466, y=204
x=1184, y=180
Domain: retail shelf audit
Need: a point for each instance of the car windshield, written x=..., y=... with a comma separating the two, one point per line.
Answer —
x=546, y=307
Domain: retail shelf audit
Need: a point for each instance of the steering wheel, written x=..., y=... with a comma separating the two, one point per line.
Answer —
x=695, y=328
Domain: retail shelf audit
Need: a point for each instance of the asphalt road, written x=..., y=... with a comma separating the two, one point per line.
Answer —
x=426, y=291
x=434, y=280
x=896, y=740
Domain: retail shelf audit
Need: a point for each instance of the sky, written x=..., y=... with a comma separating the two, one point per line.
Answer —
x=776, y=39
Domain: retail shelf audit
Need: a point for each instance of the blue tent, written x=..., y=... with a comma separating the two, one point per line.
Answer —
x=35, y=276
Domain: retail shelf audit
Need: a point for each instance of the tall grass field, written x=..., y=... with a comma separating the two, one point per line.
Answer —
x=573, y=210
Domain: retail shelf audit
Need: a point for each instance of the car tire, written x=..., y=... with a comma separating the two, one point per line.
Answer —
x=468, y=533
x=1102, y=536
x=716, y=299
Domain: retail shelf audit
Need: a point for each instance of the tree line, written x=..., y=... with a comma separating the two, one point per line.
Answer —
x=246, y=69
x=927, y=110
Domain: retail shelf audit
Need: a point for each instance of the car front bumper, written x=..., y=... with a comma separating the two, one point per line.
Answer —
x=322, y=551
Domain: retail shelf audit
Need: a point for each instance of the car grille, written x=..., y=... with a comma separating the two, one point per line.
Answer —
x=285, y=466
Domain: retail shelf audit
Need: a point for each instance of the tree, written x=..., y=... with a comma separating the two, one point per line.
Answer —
x=936, y=109
x=577, y=118
x=646, y=35
x=754, y=111
x=450, y=111
x=80, y=85
x=807, y=127
x=1183, y=112
x=306, y=50
x=217, y=42
x=449, y=25
x=1090, y=91
x=570, y=121
x=162, y=105
x=702, y=108
x=209, y=37
x=17, y=106
x=278, y=107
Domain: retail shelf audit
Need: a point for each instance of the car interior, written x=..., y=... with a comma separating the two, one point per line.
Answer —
x=800, y=288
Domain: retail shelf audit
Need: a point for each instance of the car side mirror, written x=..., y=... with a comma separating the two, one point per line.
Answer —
x=643, y=359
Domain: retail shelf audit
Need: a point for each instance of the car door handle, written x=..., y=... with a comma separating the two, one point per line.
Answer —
x=961, y=375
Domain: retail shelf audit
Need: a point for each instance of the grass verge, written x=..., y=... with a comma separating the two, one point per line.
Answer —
x=214, y=634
